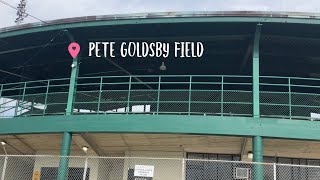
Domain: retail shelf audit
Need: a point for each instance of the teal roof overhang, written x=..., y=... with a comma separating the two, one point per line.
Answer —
x=158, y=18
x=227, y=38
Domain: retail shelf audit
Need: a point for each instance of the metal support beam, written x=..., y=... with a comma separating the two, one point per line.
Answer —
x=73, y=79
x=67, y=136
x=257, y=149
x=257, y=141
x=65, y=152
x=255, y=72
x=30, y=48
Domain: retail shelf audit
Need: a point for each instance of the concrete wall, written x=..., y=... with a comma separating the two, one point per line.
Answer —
x=110, y=168
x=117, y=168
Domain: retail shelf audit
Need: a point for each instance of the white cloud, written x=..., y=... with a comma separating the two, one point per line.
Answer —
x=55, y=9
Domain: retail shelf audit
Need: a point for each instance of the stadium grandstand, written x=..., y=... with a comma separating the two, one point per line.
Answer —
x=248, y=108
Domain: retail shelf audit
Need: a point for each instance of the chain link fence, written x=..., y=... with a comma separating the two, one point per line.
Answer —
x=138, y=168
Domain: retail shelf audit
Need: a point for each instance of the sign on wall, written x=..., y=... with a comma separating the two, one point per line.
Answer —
x=143, y=171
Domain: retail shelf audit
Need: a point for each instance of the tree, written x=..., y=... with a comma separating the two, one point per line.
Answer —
x=21, y=12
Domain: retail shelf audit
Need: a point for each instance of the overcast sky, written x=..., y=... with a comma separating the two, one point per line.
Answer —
x=56, y=9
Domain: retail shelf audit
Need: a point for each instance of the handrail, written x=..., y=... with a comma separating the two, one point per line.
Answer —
x=292, y=97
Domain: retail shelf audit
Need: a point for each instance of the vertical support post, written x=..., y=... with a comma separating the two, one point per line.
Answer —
x=85, y=169
x=4, y=167
x=257, y=141
x=65, y=152
x=100, y=91
x=274, y=171
x=72, y=86
x=129, y=94
x=257, y=145
x=257, y=149
x=190, y=90
x=32, y=106
x=256, y=73
x=158, y=98
x=183, y=172
x=222, y=83
x=73, y=80
x=22, y=100
x=1, y=88
x=67, y=136
x=24, y=91
x=19, y=102
x=290, y=107
x=46, y=98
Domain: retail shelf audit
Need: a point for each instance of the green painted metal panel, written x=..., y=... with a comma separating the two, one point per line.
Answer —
x=176, y=124
x=159, y=20
x=255, y=72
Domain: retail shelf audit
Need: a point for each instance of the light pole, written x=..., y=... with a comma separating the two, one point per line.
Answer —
x=85, y=150
x=3, y=144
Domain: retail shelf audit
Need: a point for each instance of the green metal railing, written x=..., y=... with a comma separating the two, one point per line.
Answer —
x=207, y=95
x=288, y=97
x=220, y=95
x=45, y=97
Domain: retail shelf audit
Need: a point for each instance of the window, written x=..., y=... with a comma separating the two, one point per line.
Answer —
x=208, y=170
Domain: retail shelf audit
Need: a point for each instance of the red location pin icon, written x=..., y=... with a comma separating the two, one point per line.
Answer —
x=74, y=49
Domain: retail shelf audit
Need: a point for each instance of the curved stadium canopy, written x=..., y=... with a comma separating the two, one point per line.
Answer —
x=288, y=47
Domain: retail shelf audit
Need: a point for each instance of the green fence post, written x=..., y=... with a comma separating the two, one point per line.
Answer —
x=257, y=141
x=67, y=136
x=129, y=94
x=221, y=108
x=20, y=102
x=0, y=98
x=289, y=88
x=46, y=98
x=190, y=90
x=1, y=90
x=99, y=100
x=158, y=98
x=256, y=74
